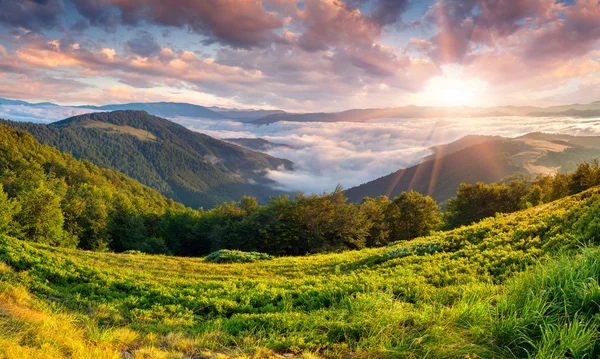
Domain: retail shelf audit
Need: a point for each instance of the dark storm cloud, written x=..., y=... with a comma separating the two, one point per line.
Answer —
x=388, y=12
x=32, y=15
x=242, y=24
x=143, y=44
x=99, y=13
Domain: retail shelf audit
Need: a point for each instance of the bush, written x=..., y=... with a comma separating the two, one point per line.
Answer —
x=417, y=249
x=231, y=256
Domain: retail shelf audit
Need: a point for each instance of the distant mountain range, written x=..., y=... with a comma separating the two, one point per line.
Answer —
x=256, y=144
x=365, y=115
x=265, y=117
x=189, y=167
x=5, y=101
x=483, y=159
x=166, y=109
x=245, y=115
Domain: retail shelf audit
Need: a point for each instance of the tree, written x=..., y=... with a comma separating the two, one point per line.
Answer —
x=411, y=215
x=476, y=202
x=41, y=217
x=177, y=230
x=373, y=211
x=8, y=210
x=126, y=227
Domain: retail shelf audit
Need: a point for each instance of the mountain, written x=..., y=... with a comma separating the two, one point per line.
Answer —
x=264, y=117
x=47, y=196
x=164, y=109
x=570, y=113
x=483, y=159
x=365, y=115
x=190, y=167
x=452, y=147
x=5, y=101
x=247, y=115
x=256, y=144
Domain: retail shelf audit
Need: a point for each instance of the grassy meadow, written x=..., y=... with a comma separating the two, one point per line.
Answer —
x=523, y=285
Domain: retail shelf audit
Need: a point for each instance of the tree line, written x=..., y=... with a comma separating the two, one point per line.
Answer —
x=49, y=197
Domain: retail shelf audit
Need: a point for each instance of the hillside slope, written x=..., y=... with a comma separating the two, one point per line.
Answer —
x=189, y=167
x=47, y=196
x=483, y=159
x=450, y=295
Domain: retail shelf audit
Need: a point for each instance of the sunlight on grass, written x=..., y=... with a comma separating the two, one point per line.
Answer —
x=455, y=294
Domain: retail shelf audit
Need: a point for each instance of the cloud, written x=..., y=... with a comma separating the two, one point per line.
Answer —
x=576, y=33
x=310, y=55
x=31, y=15
x=97, y=13
x=335, y=23
x=241, y=24
x=41, y=114
x=388, y=12
x=143, y=44
x=467, y=25
x=283, y=75
x=327, y=154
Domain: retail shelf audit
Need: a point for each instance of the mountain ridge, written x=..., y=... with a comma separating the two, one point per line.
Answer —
x=413, y=111
x=265, y=117
x=492, y=159
x=188, y=166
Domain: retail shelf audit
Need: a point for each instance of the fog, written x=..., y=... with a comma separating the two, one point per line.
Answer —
x=42, y=114
x=327, y=154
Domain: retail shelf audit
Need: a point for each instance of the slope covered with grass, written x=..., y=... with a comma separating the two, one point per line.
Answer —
x=454, y=294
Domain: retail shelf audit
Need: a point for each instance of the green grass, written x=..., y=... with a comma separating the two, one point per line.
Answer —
x=456, y=294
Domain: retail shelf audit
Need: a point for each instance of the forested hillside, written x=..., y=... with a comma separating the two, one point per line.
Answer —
x=50, y=197
x=186, y=166
x=483, y=159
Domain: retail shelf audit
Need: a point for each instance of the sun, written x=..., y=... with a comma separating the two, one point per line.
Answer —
x=453, y=89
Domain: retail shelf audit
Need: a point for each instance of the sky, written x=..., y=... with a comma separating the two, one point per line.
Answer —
x=301, y=55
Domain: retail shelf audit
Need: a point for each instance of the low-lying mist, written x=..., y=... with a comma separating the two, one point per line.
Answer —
x=327, y=154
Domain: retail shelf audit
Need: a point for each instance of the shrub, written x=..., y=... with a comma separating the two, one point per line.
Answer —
x=417, y=249
x=232, y=256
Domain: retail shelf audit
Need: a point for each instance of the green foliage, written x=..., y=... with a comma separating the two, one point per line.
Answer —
x=41, y=218
x=552, y=311
x=234, y=256
x=374, y=212
x=51, y=198
x=473, y=202
x=8, y=209
x=412, y=215
x=417, y=249
x=442, y=296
